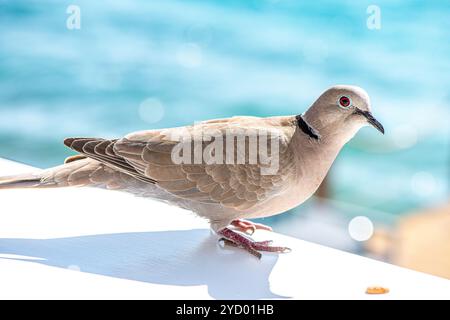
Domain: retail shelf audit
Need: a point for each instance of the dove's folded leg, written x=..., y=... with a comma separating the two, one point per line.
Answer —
x=248, y=226
x=236, y=239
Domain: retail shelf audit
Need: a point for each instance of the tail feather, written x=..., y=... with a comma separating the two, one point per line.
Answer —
x=78, y=171
x=59, y=176
x=22, y=181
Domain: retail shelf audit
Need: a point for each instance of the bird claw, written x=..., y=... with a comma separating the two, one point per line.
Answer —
x=224, y=242
x=228, y=243
x=264, y=243
x=249, y=227
x=234, y=239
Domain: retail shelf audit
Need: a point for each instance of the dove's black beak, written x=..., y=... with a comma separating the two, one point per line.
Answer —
x=370, y=119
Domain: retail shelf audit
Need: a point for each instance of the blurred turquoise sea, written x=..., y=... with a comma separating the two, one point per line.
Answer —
x=137, y=65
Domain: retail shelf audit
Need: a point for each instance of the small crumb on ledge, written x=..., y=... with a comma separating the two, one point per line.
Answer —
x=377, y=290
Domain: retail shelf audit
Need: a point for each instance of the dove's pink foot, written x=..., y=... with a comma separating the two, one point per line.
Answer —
x=233, y=238
x=248, y=226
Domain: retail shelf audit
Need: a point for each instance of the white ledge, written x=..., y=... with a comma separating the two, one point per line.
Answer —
x=131, y=248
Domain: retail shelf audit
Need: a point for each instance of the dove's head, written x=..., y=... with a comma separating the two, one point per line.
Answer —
x=342, y=109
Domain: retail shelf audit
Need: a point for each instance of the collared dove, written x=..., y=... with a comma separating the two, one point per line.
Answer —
x=209, y=168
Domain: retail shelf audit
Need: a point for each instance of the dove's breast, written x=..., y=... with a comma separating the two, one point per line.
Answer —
x=312, y=160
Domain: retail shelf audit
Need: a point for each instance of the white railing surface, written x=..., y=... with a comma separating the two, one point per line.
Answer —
x=89, y=243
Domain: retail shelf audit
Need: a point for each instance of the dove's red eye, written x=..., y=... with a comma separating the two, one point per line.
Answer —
x=344, y=102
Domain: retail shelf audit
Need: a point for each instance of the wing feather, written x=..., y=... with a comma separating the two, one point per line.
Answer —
x=147, y=156
x=240, y=186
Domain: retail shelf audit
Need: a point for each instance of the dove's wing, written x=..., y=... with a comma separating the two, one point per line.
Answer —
x=102, y=150
x=147, y=155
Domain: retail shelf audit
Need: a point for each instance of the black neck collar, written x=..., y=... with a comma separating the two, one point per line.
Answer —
x=306, y=128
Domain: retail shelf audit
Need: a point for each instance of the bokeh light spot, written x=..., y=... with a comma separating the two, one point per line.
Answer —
x=360, y=228
x=151, y=110
x=404, y=136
